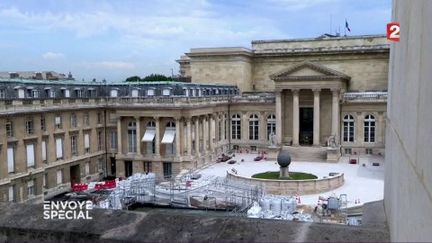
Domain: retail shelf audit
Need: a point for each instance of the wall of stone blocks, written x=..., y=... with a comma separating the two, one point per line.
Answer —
x=408, y=167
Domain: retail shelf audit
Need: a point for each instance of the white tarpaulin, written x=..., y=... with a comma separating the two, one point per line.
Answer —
x=168, y=136
x=149, y=135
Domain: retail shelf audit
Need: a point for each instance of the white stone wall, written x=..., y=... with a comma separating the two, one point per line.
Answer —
x=408, y=178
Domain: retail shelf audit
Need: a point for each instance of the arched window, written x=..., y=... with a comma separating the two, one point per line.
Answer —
x=171, y=124
x=132, y=141
x=151, y=124
x=271, y=125
x=253, y=127
x=235, y=126
x=369, y=129
x=348, y=128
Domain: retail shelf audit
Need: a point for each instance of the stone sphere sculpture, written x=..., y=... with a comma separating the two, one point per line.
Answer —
x=284, y=158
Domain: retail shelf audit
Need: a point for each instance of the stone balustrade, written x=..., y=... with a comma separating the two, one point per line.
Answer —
x=292, y=187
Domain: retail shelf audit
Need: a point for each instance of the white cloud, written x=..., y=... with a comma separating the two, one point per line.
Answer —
x=52, y=56
x=116, y=65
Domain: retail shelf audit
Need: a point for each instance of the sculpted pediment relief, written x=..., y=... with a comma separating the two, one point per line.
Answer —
x=309, y=71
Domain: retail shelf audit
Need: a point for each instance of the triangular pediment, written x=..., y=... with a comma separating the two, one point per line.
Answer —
x=308, y=71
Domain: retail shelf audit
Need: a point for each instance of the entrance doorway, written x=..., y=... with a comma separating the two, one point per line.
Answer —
x=75, y=174
x=128, y=168
x=113, y=166
x=306, y=126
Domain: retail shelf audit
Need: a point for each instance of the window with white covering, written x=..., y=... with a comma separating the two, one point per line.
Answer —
x=150, y=92
x=114, y=93
x=11, y=159
x=59, y=148
x=58, y=122
x=166, y=92
x=30, y=155
x=59, y=177
x=87, y=142
x=134, y=93
x=44, y=151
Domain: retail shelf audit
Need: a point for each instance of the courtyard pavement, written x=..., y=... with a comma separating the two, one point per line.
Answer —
x=362, y=183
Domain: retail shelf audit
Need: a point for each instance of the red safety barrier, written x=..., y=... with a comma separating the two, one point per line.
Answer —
x=77, y=187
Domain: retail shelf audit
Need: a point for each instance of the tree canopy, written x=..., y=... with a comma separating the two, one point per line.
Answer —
x=151, y=77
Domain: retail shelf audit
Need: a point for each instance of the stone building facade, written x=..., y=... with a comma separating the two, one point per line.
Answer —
x=319, y=97
x=325, y=89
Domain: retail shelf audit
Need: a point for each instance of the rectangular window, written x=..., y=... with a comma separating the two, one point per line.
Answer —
x=100, y=142
x=86, y=119
x=58, y=122
x=29, y=126
x=45, y=180
x=59, y=148
x=30, y=155
x=11, y=193
x=52, y=94
x=368, y=151
x=35, y=94
x=2, y=94
x=132, y=146
x=74, y=145
x=348, y=151
x=59, y=177
x=73, y=120
x=99, y=118
x=87, y=168
x=42, y=123
x=114, y=93
x=11, y=159
x=9, y=129
x=113, y=139
x=150, y=92
x=87, y=142
x=44, y=151
x=30, y=189
x=167, y=170
x=147, y=167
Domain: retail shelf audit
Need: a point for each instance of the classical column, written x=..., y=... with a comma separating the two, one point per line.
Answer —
x=157, y=136
x=178, y=137
x=296, y=118
x=119, y=136
x=335, y=114
x=212, y=132
x=205, y=134
x=316, y=118
x=359, y=129
x=380, y=127
x=197, y=137
x=138, y=135
x=262, y=134
x=189, y=136
x=279, y=118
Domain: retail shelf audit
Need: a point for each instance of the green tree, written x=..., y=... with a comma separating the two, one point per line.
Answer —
x=157, y=77
x=133, y=79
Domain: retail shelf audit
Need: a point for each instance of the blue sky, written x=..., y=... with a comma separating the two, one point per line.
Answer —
x=114, y=39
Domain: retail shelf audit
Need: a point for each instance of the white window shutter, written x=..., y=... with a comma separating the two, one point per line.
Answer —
x=30, y=155
x=59, y=148
x=10, y=159
x=86, y=140
x=44, y=154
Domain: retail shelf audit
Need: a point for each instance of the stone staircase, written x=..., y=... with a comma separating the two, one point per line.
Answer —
x=307, y=153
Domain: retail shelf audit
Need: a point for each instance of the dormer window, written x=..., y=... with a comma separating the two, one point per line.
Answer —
x=166, y=92
x=150, y=92
x=134, y=93
x=114, y=93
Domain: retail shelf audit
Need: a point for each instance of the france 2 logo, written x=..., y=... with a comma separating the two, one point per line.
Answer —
x=393, y=31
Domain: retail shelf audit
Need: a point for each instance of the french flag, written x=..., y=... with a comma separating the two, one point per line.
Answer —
x=347, y=26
